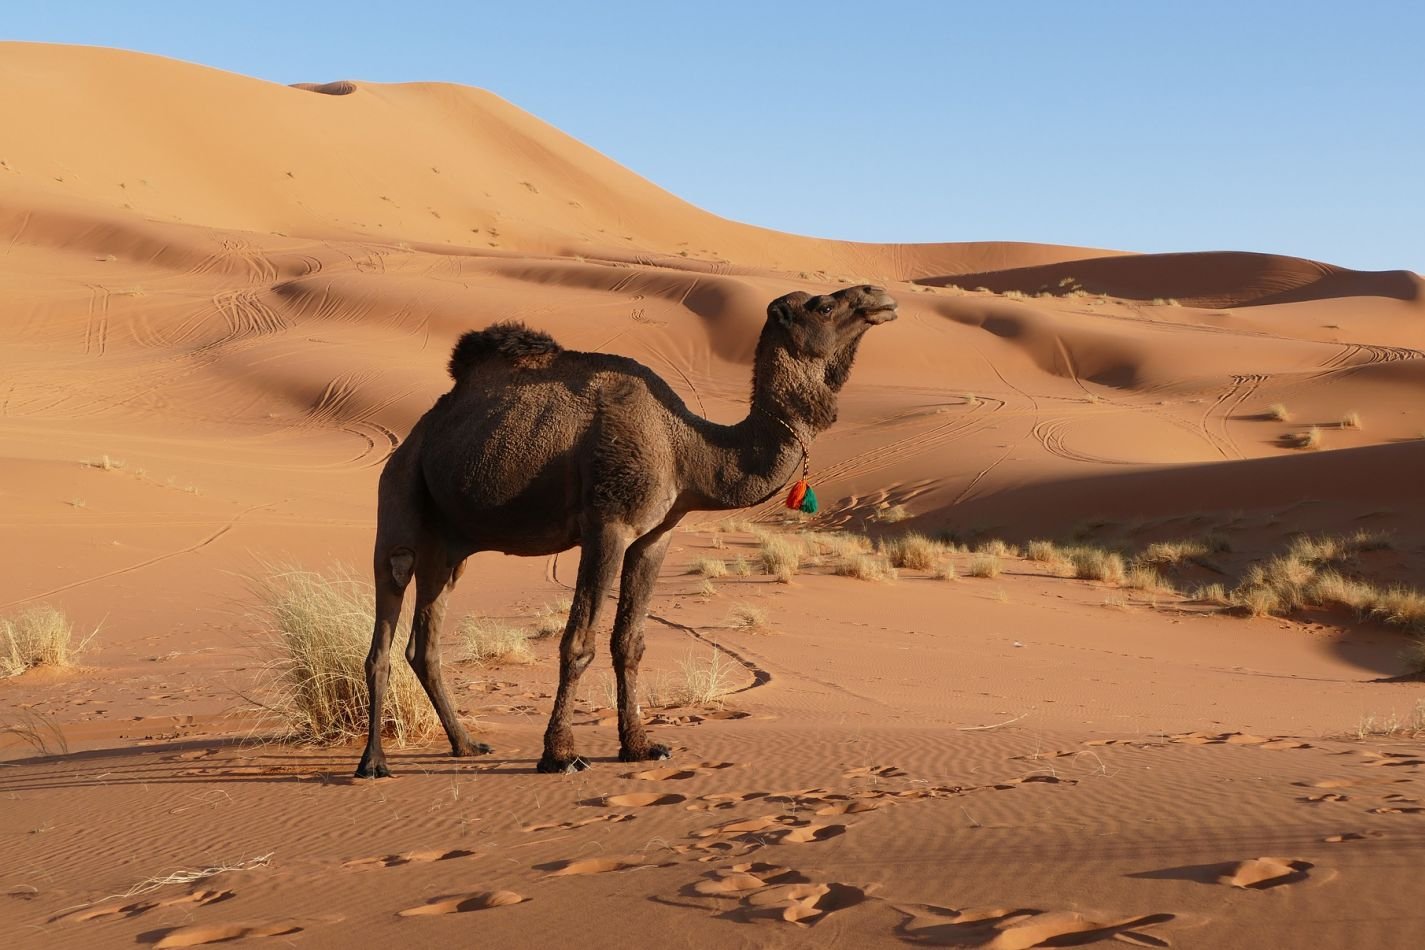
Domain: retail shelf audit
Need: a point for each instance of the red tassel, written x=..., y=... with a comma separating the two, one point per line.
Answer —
x=798, y=492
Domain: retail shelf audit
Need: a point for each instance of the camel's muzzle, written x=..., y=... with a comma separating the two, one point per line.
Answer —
x=878, y=315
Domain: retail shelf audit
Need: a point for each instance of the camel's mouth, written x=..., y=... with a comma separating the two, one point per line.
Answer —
x=878, y=315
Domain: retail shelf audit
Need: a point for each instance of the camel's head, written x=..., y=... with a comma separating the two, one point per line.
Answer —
x=829, y=326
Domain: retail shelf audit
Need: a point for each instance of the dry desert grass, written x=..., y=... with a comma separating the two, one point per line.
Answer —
x=38, y=637
x=314, y=689
x=489, y=641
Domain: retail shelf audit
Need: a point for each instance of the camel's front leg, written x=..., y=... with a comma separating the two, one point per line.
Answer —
x=601, y=552
x=640, y=573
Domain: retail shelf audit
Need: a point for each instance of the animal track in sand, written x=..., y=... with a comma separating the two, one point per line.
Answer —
x=637, y=800
x=196, y=935
x=1325, y=797
x=772, y=892
x=771, y=829
x=1255, y=873
x=463, y=903
x=1350, y=782
x=571, y=825
x=1352, y=836
x=576, y=866
x=410, y=857
x=997, y=928
x=875, y=771
x=134, y=909
x=678, y=774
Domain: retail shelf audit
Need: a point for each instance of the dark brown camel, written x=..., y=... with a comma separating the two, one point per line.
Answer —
x=537, y=449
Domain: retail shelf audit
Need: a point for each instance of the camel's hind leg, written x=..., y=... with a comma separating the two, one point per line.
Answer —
x=640, y=573
x=601, y=552
x=435, y=576
x=392, y=571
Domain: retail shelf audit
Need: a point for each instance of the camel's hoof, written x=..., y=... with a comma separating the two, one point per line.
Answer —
x=473, y=748
x=562, y=766
x=369, y=770
x=655, y=752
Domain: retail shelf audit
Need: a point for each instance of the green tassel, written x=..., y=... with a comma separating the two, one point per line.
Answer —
x=809, y=502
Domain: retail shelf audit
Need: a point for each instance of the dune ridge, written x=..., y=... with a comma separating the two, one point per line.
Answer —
x=226, y=301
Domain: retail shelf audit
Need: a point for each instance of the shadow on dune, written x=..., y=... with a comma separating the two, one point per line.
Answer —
x=175, y=763
x=1335, y=478
x=1202, y=278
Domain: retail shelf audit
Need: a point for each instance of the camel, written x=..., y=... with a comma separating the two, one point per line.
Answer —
x=536, y=449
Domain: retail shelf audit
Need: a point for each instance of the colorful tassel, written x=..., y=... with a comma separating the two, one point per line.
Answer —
x=802, y=498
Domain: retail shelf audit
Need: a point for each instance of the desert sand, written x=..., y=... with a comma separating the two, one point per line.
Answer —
x=224, y=301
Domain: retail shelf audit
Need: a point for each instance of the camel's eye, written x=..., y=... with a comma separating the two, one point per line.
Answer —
x=825, y=309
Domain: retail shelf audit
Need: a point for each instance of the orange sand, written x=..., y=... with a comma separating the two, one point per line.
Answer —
x=243, y=294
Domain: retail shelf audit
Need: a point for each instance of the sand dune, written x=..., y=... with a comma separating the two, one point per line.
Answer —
x=227, y=300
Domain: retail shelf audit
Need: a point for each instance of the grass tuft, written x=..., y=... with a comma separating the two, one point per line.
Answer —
x=865, y=567
x=914, y=552
x=40, y=636
x=780, y=556
x=984, y=565
x=315, y=687
x=489, y=641
x=711, y=568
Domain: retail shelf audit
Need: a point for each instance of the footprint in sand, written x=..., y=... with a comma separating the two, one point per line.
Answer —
x=772, y=829
x=571, y=825
x=1351, y=782
x=197, y=935
x=463, y=903
x=410, y=857
x=1324, y=797
x=1352, y=836
x=775, y=893
x=998, y=928
x=134, y=909
x=875, y=771
x=1395, y=759
x=573, y=867
x=1256, y=873
x=636, y=800
x=678, y=774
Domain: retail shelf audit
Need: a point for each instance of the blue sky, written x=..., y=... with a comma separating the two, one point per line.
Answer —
x=1291, y=128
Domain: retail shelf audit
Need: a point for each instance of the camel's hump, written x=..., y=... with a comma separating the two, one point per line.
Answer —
x=511, y=341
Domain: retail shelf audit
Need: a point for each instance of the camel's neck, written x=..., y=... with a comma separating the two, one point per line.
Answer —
x=749, y=462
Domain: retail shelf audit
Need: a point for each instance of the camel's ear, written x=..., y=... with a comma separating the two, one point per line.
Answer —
x=779, y=311
x=784, y=309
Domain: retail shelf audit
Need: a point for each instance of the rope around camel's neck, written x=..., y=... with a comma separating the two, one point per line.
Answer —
x=801, y=497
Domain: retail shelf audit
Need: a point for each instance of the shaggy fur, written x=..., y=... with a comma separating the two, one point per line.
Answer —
x=510, y=341
x=536, y=450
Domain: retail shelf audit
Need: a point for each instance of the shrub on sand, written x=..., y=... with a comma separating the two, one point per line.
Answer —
x=711, y=568
x=747, y=617
x=893, y=514
x=984, y=565
x=1097, y=564
x=552, y=618
x=914, y=552
x=704, y=681
x=1351, y=420
x=40, y=636
x=1042, y=551
x=780, y=556
x=489, y=641
x=316, y=686
x=1309, y=439
x=865, y=567
x=1278, y=412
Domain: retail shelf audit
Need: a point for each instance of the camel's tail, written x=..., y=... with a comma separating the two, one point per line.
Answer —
x=511, y=342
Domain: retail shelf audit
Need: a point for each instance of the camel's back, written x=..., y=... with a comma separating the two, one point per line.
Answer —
x=530, y=426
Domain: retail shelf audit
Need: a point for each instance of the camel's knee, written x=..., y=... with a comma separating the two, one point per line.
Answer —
x=627, y=651
x=402, y=563
x=577, y=657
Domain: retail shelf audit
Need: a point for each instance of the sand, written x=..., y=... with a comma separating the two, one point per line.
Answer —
x=225, y=301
